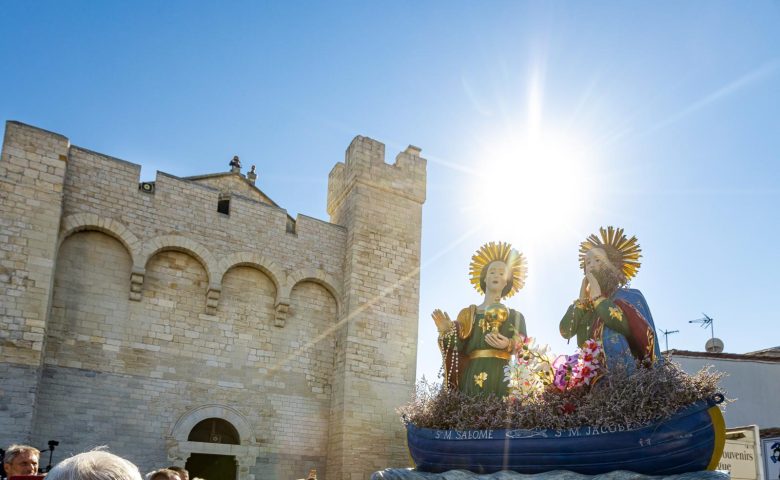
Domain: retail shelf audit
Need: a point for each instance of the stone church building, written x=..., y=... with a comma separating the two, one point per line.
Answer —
x=192, y=321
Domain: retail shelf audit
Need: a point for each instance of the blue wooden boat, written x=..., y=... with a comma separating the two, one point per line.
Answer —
x=691, y=440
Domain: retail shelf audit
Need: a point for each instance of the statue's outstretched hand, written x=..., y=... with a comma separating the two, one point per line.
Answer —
x=496, y=340
x=442, y=320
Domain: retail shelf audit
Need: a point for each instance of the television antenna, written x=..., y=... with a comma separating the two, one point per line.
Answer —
x=666, y=336
x=713, y=345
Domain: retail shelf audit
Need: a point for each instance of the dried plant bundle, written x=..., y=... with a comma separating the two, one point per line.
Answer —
x=631, y=399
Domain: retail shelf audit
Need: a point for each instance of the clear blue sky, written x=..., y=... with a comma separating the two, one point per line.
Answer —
x=541, y=121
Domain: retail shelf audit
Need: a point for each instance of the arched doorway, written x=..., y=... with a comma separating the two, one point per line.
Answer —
x=214, y=442
x=211, y=466
x=214, y=430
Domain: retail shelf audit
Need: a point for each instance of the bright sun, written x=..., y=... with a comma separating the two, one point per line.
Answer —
x=534, y=185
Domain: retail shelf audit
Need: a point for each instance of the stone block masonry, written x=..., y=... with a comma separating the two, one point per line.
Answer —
x=381, y=207
x=129, y=315
x=32, y=172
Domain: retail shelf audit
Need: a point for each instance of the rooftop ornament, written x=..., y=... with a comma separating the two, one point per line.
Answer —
x=235, y=165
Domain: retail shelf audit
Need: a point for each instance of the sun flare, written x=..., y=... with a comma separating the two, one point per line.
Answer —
x=533, y=186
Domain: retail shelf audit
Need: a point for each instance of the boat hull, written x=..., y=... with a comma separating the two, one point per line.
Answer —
x=692, y=440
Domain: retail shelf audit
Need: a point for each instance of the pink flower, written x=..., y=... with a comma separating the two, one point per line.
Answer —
x=587, y=357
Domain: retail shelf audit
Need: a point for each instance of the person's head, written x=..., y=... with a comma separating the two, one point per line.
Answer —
x=95, y=465
x=21, y=460
x=597, y=259
x=163, y=474
x=495, y=278
x=611, y=256
x=497, y=269
x=598, y=263
x=183, y=474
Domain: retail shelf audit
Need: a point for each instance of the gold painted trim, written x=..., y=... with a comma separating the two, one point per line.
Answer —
x=490, y=353
x=466, y=321
x=409, y=452
x=719, y=426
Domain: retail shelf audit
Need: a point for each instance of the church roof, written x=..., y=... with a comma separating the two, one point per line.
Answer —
x=238, y=177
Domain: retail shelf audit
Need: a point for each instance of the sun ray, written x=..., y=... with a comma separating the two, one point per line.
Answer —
x=534, y=185
x=767, y=69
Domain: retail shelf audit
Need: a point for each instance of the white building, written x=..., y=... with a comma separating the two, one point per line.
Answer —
x=752, y=385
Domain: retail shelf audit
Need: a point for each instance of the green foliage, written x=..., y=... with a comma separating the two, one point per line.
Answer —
x=644, y=396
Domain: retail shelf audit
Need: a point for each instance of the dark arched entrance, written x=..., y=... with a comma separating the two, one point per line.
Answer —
x=214, y=430
x=209, y=466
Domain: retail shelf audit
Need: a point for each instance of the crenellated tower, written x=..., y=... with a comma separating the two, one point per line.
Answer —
x=380, y=205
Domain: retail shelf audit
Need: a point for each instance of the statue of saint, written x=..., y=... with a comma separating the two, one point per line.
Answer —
x=606, y=311
x=479, y=343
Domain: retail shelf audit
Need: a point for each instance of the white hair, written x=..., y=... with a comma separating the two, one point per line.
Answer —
x=14, y=450
x=95, y=465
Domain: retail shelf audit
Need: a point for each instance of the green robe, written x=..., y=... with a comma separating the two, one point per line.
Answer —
x=484, y=374
x=588, y=323
x=626, y=335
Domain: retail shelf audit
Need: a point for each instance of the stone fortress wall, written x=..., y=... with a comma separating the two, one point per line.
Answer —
x=128, y=315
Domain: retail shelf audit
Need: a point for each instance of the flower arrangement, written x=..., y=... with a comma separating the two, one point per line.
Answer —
x=581, y=368
x=530, y=369
x=533, y=368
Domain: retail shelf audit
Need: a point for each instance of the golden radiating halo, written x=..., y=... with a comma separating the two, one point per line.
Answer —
x=503, y=251
x=615, y=242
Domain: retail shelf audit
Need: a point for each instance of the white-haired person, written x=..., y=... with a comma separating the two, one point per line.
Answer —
x=21, y=460
x=95, y=465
